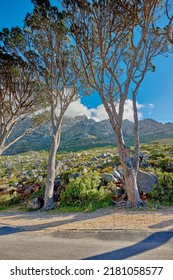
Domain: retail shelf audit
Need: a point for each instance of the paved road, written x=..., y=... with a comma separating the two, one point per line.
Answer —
x=106, y=245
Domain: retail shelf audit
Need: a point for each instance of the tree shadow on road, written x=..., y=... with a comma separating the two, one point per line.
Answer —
x=163, y=224
x=59, y=220
x=151, y=242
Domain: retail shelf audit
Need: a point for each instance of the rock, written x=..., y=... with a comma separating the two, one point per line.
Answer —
x=144, y=164
x=103, y=155
x=23, y=173
x=85, y=170
x=146, y=181
x=89, y=164
x=108, y=178
x=119, y=191
x=143, y=157
x=99, y=167
x=117, y=175
x=94, y=159
x=36, y=203
x=40, y=178
x=169, y=167
x=120, y=171
x=120, y=203
x=74, y=175
x=30, y=172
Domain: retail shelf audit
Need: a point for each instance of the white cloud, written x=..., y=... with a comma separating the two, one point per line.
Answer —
x=76, y=108
x=98, y=114
x=128, y=110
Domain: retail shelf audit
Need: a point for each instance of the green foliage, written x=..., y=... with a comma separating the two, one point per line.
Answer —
x=87, y=207
x=85, y=189
x=164, y=162
x=8, y=200
x=155, y=154
x=163, y=193
x=86, y=193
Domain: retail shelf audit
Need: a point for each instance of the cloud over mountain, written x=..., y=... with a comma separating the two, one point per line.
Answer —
x=98, y=114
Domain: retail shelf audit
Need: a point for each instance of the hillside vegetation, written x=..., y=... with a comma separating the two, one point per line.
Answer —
x=79, y=183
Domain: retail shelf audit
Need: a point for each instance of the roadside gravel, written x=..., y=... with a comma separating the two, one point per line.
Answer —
x=102, y=219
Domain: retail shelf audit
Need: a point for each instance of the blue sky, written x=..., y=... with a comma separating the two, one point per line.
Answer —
x=156, y=92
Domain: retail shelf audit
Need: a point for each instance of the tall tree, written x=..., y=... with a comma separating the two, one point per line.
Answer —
x=117, y=45
x=53, y=57
x=19, y=98
x=45, y=45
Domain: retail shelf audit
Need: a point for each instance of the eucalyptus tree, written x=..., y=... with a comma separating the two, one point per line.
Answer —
x=19, y=98
x=53, y=56
x=117, y=45
x=44, y=43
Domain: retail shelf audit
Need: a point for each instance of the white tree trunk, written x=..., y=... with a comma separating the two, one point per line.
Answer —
x=51, y=172
x=1, y=150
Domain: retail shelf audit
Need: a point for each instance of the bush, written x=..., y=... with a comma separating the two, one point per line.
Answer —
x=157, y=154
x=83, y=190
x=10, y=200
x=163, y=193
x=164, y=162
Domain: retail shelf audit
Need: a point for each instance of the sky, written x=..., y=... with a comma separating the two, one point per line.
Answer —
x=155, y=97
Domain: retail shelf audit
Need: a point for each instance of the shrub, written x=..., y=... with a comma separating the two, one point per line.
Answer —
x=163, y=193
x=10, y=200
x=83, y=190
x=157, y=154
x=164, y=162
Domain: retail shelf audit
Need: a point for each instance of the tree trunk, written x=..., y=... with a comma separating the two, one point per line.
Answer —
x=136, y=135
x=51, y=172
x=130, y=174
x=1, y=151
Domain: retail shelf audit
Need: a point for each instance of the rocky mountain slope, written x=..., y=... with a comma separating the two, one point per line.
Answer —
x=80, y=132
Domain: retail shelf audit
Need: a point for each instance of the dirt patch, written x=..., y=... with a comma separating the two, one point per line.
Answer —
x=107, y=218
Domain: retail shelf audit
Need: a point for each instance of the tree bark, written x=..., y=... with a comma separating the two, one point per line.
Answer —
x=130, y=174
x=1, y=151
x=51, y=172
x=136, y=136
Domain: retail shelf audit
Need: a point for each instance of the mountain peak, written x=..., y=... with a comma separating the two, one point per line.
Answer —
x=79, y=132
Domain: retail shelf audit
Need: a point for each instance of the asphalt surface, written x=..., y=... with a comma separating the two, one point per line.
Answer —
x=16, y=244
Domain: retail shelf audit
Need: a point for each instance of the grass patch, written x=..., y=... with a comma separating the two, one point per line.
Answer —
x=88, y=207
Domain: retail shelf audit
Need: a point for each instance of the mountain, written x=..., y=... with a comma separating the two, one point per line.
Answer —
x=80, y=132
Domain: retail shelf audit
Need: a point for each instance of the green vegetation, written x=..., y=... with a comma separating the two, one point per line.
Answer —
x=163, y=194
x=85, y=191
x=7, y=200
x=23, y=176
